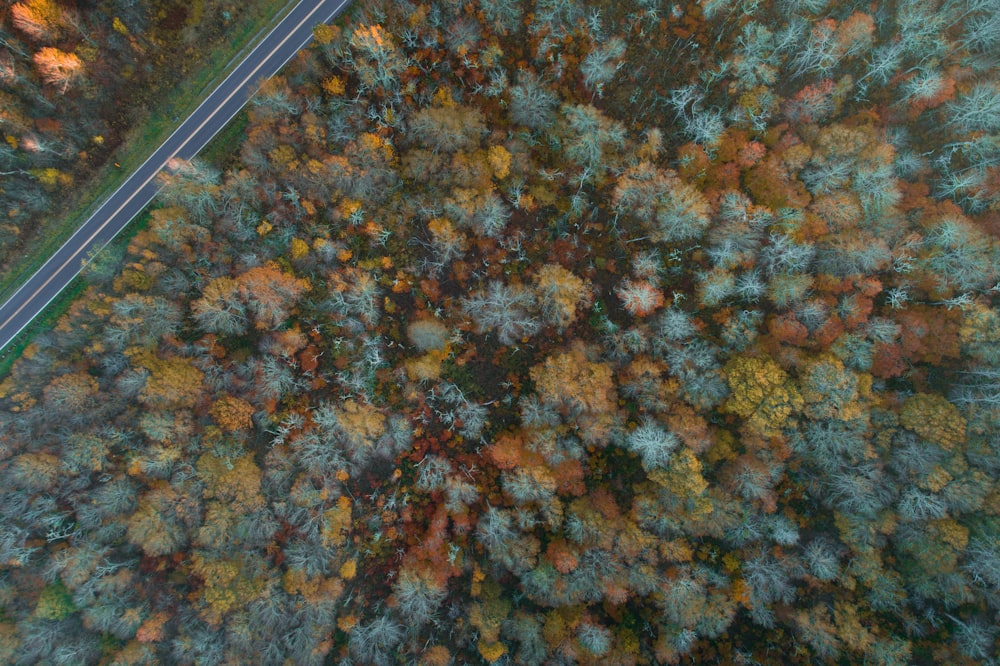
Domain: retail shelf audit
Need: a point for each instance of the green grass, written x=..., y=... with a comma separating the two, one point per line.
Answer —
x=220, y=151
x=148, y=133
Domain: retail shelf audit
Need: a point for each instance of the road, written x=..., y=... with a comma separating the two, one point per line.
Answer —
x=276, y=49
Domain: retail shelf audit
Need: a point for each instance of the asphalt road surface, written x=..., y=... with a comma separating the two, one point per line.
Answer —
x=276, y=49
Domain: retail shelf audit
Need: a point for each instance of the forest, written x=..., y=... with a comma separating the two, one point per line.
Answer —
x=542, y=332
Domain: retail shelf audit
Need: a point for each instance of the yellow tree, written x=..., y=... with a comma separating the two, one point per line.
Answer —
x=172, y=383
x=762, y=393
x=39, y=19
x=448, y=127
x=575, y=383
x=582, y=389
x=58, y=68
x=935, y=419
x=560, y=294
x=232, y=413
x=155, y=526
x=499, y=160
x=980, y=333
x=230, y=583
x=233, y=482
x=361, y=425
x=35, y=471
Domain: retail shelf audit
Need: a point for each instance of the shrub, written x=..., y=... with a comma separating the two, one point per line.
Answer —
x=669, y=208
x=640, y=298
x=822, y=560
x=652, y=444
x=427, y=334
x=529, y=484
x=974, y=638
x=531, y=103
x=418, y=596
x=593, y=638
x=374, y=642
x=432, y=472
x=506, y=309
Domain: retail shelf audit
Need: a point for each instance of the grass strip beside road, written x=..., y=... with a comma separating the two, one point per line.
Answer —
x=147, y=135
x=223, y=150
